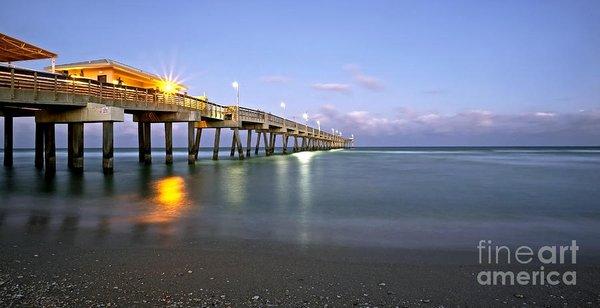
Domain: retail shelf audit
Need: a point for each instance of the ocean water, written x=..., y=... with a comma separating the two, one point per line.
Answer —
x=421, y=198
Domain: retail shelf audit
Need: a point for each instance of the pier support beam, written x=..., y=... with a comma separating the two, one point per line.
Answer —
x=257, y=143
x=266, y=142
x=144, y=142
x=216, y=144
x=238, y=141
x=233, y=144
x=107, y=147
x=169, y=143
x=272, y=138
x=39, y=146
x=249, y=143
x=147, y=145
x=49, y=149
x=191, y=143
x=197, y=143
x=141, y=126
x=295, y=144
x=285, y=141
x=75, y=146
x=8, y=141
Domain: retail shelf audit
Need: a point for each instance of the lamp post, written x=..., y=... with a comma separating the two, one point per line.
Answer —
x=305, y=117
x=236, y=86
x=282, y=105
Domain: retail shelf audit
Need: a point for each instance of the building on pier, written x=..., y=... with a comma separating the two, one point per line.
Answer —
x=111, y=71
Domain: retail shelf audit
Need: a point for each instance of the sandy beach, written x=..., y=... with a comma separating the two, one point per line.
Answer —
x=35, y=271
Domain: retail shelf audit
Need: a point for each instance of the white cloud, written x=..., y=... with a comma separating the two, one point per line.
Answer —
x=369, y=82
x=274, y=79
x=408, y=122
x=334, y=87
x=544, y=114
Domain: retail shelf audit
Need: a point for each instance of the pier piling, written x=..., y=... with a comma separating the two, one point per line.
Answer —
x=168, y=143
x=49, y=149
x=197, y=143
x=257, y=143
x=238, y=141
x=8, y=141
x=266, y=144
x=295, y=144
x=147, y=143
x=191, y=143
x=39, y=146
x=107, y=147
x=216, y=144
x=249, y=143
x=285, y=141
x=75, y=146
x=233, y=143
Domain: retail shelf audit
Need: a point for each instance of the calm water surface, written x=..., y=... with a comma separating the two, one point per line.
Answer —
x=391, y=197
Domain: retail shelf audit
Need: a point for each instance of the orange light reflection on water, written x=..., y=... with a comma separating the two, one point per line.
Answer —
x=169, y=201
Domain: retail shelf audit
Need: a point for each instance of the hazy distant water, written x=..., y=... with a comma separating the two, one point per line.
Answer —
x=394, y=197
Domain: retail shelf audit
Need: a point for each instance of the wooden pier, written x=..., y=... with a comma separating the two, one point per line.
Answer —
x=58, y=99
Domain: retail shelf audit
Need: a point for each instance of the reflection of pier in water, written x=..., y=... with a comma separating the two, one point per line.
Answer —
x=157, y=212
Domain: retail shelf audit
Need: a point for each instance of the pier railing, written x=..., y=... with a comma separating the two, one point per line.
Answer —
x=23, y=79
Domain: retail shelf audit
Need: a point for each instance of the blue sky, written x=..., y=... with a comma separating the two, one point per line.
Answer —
x=391, y=72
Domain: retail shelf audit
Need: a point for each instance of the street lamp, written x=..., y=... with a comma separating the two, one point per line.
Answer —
x=319, y=125
x=236, y=86
x=283, y=107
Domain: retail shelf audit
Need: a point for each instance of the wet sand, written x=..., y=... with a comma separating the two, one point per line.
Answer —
x=38, y=271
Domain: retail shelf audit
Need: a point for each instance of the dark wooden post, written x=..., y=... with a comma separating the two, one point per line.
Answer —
x=76, y=146
x=238, y=141
x=49, y=149
x=8, y=141
x=141, y=127
x=249, y=143
x=233, y=143
x=197, y=143
x=273, y=144
x=168, y=143
x=216, y=144
x=147, y=143
x=285, y=141
x=191, y=140
x=295, y=143
x=70, y=145
x=257, y=143
x=266, y=143
x=107, y=147
x=39, y=145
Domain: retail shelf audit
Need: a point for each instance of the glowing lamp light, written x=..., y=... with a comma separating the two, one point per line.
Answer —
x=282, y=105
x=305, y=116
x=235, y=85
x=168, y=86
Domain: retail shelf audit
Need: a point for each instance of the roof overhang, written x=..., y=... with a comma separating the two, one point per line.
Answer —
x=12, y=49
